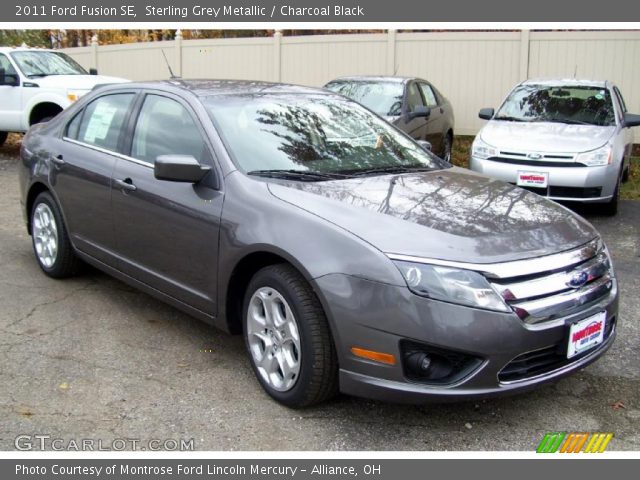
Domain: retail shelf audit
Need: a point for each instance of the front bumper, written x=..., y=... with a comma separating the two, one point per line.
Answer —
x=576, y=184
x=379, y=317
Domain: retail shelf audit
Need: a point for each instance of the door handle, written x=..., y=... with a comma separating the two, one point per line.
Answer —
x=58, y=160
x=126, y=185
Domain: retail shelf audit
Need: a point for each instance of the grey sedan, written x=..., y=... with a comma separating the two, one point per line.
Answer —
x=350, y=258
x=413, y=105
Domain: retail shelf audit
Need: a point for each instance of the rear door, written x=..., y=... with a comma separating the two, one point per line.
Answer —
x=82, y=164
x=167, y=232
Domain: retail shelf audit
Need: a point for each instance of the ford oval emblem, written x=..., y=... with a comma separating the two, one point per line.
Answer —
x=578, y=280
x=534, y=156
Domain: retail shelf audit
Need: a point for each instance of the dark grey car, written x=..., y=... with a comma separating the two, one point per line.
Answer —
x=350, y=258
x=413, y=105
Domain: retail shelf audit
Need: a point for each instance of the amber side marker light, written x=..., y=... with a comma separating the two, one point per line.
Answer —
x=385, y=358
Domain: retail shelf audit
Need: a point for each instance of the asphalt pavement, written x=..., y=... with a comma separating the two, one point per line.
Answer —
x=92, y=359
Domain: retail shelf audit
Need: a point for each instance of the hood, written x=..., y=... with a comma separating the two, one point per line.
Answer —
x=451, y=214
x=76, y=82
x=544, y=136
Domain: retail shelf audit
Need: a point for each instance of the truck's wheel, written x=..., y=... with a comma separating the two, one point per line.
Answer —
x=3, y=137
x=287, y=335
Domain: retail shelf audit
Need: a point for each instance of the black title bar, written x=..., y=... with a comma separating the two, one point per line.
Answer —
x=347, y=11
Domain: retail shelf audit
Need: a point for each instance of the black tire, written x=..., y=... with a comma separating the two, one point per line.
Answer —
x=66, y=263
x=627, y=173
x=611, y=207
x=3, y=137
x=447, y=147
x=317, y=380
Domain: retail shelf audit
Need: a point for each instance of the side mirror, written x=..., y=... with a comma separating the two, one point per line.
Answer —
x=9, y=79
x=179, y=168
x=93, y=71
x=486, y=113
x=631, y=120
x=420, y=112
x=424, y=144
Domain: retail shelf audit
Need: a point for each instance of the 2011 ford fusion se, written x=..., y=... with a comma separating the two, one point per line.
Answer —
x=350, y=258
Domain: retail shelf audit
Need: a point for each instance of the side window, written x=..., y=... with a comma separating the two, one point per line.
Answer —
x=429, y=95
x=165, y=127
x=73, y=126
x=414, y=99
x=103, y=121
x=6, y=64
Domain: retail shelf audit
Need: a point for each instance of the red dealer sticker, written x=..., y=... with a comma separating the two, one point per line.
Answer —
x=533, y=179
x=586, y=334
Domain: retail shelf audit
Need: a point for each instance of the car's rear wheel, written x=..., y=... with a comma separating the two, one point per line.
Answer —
x=627, y=173
x=288, y=338
x=447, y=144
x=51, y=244
x=3, y=137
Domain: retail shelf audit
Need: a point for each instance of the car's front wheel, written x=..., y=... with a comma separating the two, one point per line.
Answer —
x=288, y=338
x=611, y=207
x=51, y=244
x=3, y=137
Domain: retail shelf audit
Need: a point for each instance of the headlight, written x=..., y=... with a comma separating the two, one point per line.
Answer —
x=596, y=158
x=482, y=150
x=74, y=95
x=464, y=287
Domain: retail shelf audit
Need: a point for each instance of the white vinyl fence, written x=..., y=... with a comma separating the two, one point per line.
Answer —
x=473, y=69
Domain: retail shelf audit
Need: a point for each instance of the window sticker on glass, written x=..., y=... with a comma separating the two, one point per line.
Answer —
x=100, y=122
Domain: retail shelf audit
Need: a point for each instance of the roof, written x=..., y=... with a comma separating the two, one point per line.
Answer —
x=372, y=78
x=555, y=82
x=26, y=49
x=204, y=87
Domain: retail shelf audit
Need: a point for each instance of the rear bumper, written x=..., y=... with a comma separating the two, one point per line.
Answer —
x=381, y=317
x=576, y=184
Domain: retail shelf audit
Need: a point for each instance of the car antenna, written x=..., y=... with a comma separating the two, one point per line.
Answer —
x=575, y=71
x=168, y=65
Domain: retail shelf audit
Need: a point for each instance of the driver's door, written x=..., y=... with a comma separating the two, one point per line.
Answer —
x=167, y=232
x=10, y=99
x=414, y=126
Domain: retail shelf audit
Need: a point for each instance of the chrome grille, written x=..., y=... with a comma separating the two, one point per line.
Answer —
x=560, y=290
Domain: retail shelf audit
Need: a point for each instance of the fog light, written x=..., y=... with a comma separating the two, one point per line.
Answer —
x=428, y=366
x=424, y=363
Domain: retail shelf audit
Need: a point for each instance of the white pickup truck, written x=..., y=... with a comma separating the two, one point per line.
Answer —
x=37, y=84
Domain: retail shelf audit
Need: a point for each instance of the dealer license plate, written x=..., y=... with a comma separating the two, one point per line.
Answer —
x=586, y=334
x=533, y=179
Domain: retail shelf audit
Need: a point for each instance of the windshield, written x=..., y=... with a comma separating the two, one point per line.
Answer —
x=384, y=98
x=315, y=134
x=573, y=105
x=41, y=64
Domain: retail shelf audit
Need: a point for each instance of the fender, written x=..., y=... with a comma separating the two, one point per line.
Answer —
x=32, y=97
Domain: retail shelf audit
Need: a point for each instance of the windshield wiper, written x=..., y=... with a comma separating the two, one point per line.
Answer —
x=510, y=119
x=303, y=175
x=568, y=121
x=392, y=169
